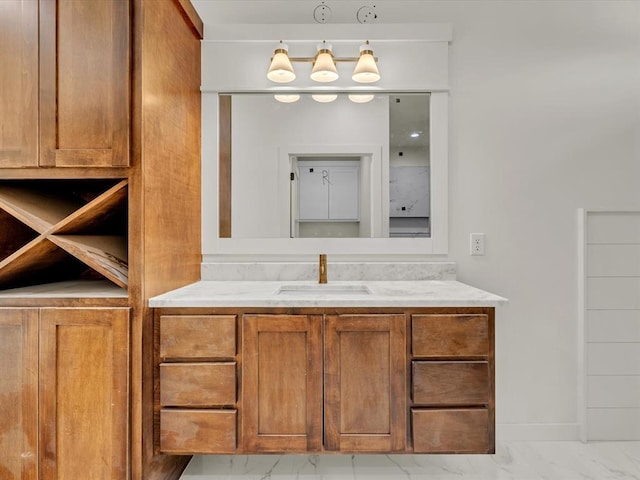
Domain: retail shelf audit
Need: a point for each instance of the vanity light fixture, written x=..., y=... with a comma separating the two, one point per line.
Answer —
x=281, y=70
x=324, y=65
x=324, y=97
x=366, y=70
x=287, y=98
x=324, y=68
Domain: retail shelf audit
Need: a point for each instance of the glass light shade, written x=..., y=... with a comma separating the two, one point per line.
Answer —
x=324, y=68
x=287, y=98
x=324, y=97
x=360, y=98
x=281, y=70
x=366, y=70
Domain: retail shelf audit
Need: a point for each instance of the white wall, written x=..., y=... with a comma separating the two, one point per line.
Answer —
x=545, y=118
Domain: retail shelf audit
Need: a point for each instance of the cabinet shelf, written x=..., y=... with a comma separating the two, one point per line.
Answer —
x=57, y=230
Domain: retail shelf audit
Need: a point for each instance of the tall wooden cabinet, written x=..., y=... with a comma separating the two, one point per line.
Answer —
x=99, y=211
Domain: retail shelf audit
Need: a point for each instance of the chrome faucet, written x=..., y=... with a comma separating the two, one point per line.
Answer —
x=322, y=268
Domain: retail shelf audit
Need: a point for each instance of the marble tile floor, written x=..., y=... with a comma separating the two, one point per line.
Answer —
x=512, y=461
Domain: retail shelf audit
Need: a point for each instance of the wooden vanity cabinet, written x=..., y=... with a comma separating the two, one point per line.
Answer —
x=65, y=392
x=66, y=100
x=330, y=380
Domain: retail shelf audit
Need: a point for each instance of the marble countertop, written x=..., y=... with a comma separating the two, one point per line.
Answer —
x=427, y=293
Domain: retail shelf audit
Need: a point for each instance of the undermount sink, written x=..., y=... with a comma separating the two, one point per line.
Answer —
x=323, y=289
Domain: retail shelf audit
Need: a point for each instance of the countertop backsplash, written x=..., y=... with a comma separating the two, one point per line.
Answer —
x=337, y=271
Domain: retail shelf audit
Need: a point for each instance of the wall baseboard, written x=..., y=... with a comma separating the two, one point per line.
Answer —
x=537, y=432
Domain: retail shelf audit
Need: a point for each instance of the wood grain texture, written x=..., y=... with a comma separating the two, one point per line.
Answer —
x=84, y=83
x=19, y=394
x=19, y=92
x=451, y=431
x=35, y=207
x=224, y=174
x=164, y=193
x=63, y=173
x=197, y=431
x=84, y=396
x=171, y=156
x=192, y=17
x=106, y=254
x=198, y=384
x=282, y=383
x=91, y=216
x=450, y=336
x=13, y=234
x=365, y=383
x=39, y=261
x=451, y=383
x=202, y=337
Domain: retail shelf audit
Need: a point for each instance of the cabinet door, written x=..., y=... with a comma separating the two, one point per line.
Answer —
x=19, y=394
x=19, y=80
x=84, y=83
x=365, y=383
x=344, y=194
x=313, y=192
x=84, y=393
x=282, y=383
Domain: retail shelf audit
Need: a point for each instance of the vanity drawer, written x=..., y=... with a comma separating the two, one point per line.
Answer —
x=197, y=337
x=451, y=431
x=197, y=431
x=450, y=383
x=197, y=384
x=450, y=335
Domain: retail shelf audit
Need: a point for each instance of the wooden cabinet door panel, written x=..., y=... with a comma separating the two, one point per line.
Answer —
x=84, y=83
x=365, y=383
x=19, y=80
x=282, y=383
x=197, y=384
x=84, y=354
x=19, y=394
x=451, y=336
x=451, y=383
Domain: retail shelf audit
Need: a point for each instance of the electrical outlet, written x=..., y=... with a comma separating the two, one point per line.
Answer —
x=477, y=244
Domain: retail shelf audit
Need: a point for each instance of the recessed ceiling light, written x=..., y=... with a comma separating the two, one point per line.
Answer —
x=324, y=97
x=415, y=134
x=360, y=98
x=288, y=98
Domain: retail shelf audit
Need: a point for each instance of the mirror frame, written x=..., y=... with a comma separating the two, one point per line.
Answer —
x=434, y=245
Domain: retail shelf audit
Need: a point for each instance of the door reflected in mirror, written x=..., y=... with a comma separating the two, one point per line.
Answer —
x=346, y=168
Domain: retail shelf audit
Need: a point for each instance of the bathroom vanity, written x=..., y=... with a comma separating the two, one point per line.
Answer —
x=380, y=367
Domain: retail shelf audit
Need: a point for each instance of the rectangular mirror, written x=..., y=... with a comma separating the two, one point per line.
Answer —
x=358, y=166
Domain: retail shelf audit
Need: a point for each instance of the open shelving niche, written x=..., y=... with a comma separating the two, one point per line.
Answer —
x=60, y=236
